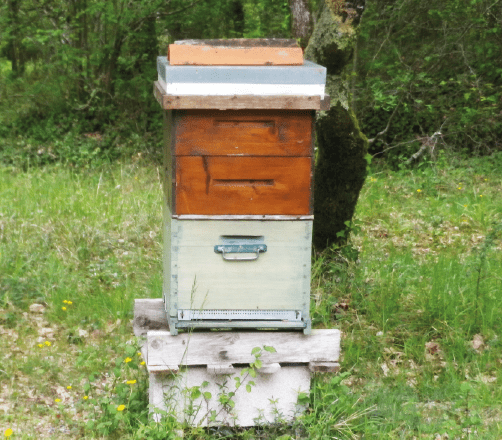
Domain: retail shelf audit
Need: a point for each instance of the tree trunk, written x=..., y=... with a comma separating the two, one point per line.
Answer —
x=341, y=165
x=301, y=21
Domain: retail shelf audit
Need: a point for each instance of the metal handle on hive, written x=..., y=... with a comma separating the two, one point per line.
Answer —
x=255, y=249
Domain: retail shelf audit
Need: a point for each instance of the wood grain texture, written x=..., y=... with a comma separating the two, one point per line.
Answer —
x=236, y=102
x=244, y=133
x=200, y=279
x=214, y=185
x=241, y=42
x=209, y=55
x=149, y=314
x=210, y=348
x=272, y=395
x=324, y=367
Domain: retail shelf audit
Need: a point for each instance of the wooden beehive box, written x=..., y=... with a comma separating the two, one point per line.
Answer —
x=238, y=173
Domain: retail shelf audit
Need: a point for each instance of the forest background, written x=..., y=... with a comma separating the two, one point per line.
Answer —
x=415, y=287
x=80, y=72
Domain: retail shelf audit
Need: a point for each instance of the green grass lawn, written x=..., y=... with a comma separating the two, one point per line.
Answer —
x=418, y=298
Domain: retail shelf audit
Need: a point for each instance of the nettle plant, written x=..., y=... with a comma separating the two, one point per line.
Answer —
x=120, y=403
x=197, y=399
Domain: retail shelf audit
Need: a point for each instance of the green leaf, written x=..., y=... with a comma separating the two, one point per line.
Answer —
x=255, y=351
x=207, y=395
x=248, y=388
x=269, y=349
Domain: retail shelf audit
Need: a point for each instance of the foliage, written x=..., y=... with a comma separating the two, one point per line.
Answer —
x=439, y=65
x=86, y=67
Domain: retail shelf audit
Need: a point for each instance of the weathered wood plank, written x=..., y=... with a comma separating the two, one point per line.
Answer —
x=149, y=314
x=235, y=347
x=221, y=369
x=241, y=42
x=244, y=133
x=236, y=52
x=215, y=185
x=272, y=396
x=236, y=102
x=324, y=367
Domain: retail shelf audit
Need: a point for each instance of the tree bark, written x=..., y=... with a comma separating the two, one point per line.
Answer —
x=341, y=164
x=301, y=21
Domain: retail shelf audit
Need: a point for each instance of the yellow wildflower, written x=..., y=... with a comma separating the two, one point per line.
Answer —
x=69, y=303
x=142, y=363
x=65, y=301
x=40, y=345
x=127, y=360
x=68, y=387
x=121, y=408
x=139, y=353
x=57, y=400
x=48, y=343
x=85, y=397
x=63, y=309
x=8, y=432
x=131, y=382
x=419, y=190
x=481, y=195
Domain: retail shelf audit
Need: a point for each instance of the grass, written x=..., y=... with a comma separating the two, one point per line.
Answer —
x=418, y=300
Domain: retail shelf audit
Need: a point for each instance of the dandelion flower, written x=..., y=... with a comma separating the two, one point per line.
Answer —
x=48, y=343
x=65, y=301
x=68, y=387
x=8, y=432
x=131, y=382
x=127, y=360
x=419, y=190
x=121, y=408
x=69, y=303
x=481, y=195
x=57, y=400
x=63, y=309
x=85, y=397
x=142, y=363
x=139, y=353
x=40, y=345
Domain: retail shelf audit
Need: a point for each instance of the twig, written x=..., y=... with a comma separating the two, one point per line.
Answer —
x=386, y=129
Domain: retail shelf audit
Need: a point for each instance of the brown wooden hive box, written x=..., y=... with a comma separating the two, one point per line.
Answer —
x=239, y=162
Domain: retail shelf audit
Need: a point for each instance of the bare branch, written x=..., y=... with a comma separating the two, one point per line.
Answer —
x=386, y=129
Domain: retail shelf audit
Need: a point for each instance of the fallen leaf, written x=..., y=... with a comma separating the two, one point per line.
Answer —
x=385, y=369
x=37, y=308
x=477, y=343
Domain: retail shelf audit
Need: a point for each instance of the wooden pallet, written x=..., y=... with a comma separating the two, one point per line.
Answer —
x=180, y=363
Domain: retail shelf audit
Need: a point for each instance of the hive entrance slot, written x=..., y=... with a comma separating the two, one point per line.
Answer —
x=243, y=182
x=244, y=124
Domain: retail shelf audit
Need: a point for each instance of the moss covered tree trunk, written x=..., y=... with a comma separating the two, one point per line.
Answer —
x=341, y=165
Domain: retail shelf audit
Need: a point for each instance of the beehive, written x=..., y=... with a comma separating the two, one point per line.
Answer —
x=238, y=174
